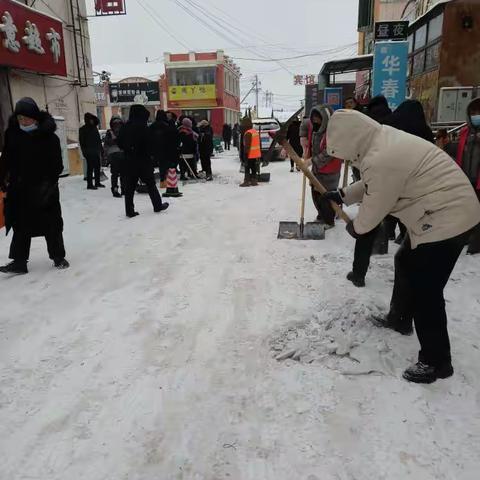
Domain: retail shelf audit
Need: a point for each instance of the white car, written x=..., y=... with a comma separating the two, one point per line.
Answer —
x=267, y=127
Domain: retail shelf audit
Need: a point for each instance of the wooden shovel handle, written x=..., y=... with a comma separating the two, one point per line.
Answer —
x=313, y=179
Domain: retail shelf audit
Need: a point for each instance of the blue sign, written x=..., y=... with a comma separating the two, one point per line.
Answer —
x=333, y=96
x=390, y=71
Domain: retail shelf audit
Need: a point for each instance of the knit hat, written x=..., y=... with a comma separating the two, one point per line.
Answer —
x=186, y=122
x=27, y=107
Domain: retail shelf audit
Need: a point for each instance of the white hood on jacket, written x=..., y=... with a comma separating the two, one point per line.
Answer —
x=350, y=135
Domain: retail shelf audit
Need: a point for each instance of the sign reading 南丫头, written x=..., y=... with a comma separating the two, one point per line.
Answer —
x=390, y=71
x=139, y=92
x=391, y=30
x=192, y=92
x=31, y=40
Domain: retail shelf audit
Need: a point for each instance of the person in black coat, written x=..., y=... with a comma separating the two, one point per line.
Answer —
x=92, y=150
x=135, y=140
x=227, y=135
x=188, y=148
x=236, y=135
x=205, y=147
x=115, y=156
x=293, y=136
x=165, y=142
x=30, y=166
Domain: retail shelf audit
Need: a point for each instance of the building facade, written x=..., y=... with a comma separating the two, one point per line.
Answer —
x=202, y=85
x=45, y=54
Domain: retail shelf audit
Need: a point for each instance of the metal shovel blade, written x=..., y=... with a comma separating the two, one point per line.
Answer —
x=264, y=177
x=314, y=231
x=293, y=231
x=289, y=231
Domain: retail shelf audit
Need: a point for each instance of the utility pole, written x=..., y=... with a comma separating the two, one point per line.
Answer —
x=257, y=89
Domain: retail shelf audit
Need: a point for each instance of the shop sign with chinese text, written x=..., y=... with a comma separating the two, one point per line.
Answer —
x=305, y=79
x=31, y=40
x=110, y=7
x=192, y=92
x=390, y=71
x=391, y=30
x=138, y=92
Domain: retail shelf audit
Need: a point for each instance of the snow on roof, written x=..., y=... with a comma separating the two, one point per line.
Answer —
x=435, y=5
x=119, y=71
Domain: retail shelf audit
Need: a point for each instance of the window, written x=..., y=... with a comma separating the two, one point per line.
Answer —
x=435, y=28
x=191, y=76
x=420, y=37
x=432, y=57
x=418, y=63
x=365, y=14
x=410, y=43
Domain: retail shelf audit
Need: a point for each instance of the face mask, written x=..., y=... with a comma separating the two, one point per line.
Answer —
x=29, y=128
x=475, y=120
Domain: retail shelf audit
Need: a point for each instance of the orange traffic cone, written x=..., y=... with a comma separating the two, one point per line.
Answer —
x=172, y=184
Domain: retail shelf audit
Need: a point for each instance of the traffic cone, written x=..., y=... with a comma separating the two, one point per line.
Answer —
x=172, y=184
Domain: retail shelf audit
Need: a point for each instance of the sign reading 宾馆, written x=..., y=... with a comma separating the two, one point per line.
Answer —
x=390, y=71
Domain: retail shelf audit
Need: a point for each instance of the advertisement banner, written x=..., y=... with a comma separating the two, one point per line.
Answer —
x=137, y=92
x=31, y=40
x=192, y=92
x=333, y=96
x=390, y=65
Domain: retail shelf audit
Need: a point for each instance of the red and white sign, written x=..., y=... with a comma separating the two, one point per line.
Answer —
x=31, y=40
x=109, y=7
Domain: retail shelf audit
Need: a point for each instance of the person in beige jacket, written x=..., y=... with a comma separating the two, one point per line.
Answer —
x=416, y=182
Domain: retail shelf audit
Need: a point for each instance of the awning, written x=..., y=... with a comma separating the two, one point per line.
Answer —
x=348, y=65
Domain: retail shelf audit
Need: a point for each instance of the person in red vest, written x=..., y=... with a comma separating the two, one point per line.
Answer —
x=468, y=158
x=326, y=168
x=252, y=153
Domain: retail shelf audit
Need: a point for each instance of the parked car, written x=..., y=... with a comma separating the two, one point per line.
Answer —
x=267, y=128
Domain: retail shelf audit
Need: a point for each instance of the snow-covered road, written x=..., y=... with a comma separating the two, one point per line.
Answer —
x=153, y=357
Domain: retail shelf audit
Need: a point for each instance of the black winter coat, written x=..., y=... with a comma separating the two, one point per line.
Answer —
x=31, y=164
x=227, y=132
x=205, y=142
x=188, y=143
x=89, y=137
x=135, y=140
x=165, y=142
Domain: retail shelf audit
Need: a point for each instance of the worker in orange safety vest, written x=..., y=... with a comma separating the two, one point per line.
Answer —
x=252, y=154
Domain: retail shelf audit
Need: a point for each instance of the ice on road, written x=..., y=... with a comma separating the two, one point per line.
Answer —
x=154, y=357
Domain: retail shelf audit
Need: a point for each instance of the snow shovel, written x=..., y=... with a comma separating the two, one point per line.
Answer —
x=313, y=180
x=192, y=173
x=300, y=231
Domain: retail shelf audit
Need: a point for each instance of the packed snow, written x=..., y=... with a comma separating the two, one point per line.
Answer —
x=194, y=345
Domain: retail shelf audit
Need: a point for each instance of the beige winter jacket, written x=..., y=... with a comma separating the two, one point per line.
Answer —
x=404, y=176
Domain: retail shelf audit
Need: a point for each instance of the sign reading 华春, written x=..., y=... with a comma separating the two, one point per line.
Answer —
x=192, y=92
x=31, y=40
x=391, y=30
x=390, y=71
x=138, y=92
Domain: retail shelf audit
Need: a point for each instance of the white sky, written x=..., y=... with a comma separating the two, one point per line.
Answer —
x=261, y=29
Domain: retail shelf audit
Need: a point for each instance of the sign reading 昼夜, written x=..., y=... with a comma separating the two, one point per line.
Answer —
x=139, y=92
x=333, y=96
x=390, y=71
x=391, y=30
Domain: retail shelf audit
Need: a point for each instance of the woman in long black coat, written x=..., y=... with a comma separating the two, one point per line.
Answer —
x=30, y=166
x=135, y=140
x=165, y=143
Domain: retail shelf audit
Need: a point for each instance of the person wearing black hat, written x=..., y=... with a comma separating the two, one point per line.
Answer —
x=135, y=139
x=92, y=150
x=30, y=166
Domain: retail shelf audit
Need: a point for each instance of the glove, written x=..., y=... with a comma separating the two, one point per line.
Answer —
x=334, y=196
x=351, y=230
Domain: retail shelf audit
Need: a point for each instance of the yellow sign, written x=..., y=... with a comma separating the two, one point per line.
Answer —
x=191, y=92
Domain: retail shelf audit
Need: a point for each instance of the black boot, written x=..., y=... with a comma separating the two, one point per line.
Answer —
x=17, y=267
x=61, y=263
x=100, y=185
x=357, y=280
x=423, y=373
x=162, y=207
x=395, y=322
x=132, y=214
x=91, y=187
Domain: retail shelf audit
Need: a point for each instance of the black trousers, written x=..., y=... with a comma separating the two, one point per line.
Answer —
x=184, y=170
x=427, y=269
x=363, y=252
x=131, y=184
x=251, y=169
x=227, y=143
x=93, y=169
x=206, y=162
x=21, y=242
x=326, y=213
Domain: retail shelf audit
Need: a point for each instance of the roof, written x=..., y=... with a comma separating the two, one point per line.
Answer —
x=347, y=65
x=429, y=13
